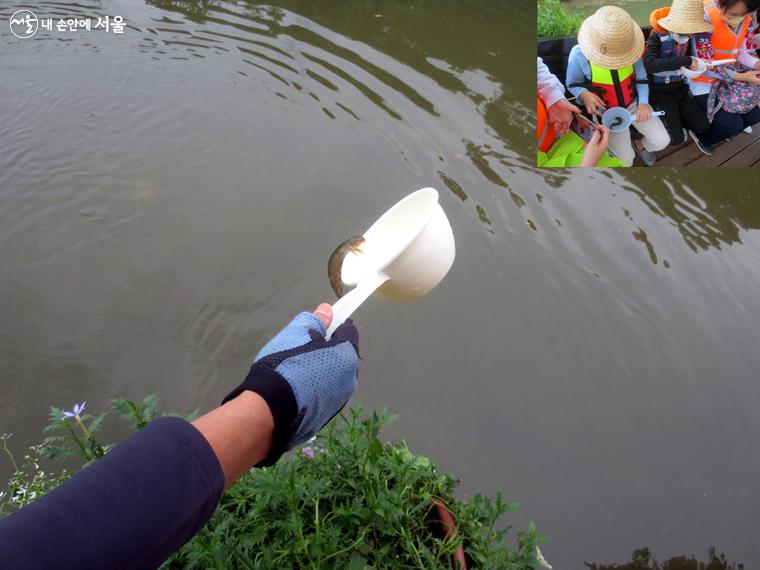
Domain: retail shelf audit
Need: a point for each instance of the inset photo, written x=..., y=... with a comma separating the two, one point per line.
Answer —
x=648, y=83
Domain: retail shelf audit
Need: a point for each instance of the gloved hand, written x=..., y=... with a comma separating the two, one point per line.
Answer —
x=305, y=379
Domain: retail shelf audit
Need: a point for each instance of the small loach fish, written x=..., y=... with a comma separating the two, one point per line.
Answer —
x=335, y=265
x=616, y=122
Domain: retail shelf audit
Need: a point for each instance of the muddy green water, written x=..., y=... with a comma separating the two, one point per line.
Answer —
x=169, y=198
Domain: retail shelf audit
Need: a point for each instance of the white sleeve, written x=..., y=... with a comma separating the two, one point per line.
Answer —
x=747, y=57
x=550, y=89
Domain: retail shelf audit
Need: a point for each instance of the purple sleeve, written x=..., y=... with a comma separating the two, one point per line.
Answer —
x=131, y=509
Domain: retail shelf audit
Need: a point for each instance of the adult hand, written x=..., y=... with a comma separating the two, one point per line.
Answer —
x=643, y=113
x=304, y=379
x=596, y=146
x=592, y=102
x=561, y=115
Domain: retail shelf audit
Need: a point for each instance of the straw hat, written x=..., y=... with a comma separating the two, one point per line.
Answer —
x=611, y=39
x=686, y=17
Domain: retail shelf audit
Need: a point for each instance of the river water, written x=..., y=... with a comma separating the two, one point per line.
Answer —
x=169, y=198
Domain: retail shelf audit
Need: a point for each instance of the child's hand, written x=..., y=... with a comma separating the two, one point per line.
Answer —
x=643, y=113
x=596, y=146
x=694, y=64
x=748, y=77
x=592, y=102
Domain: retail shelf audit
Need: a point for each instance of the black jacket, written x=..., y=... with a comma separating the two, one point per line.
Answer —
x=653, y=63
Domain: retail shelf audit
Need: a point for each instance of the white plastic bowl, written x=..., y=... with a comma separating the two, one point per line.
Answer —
x=701, y=68
x=406, y=253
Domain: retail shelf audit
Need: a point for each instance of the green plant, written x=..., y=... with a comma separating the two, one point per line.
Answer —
x=76, y=439
x=347, y=501
x=29, y=481
x=351, y=501
x=555, y=20
x=77, y=431
x=74, y=436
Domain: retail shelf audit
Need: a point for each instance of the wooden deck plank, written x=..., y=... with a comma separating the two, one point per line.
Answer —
x=675, y=155
x=686, y=154
x=727, y=150
x=743, y=150
x=672, y=149
x=747, y=156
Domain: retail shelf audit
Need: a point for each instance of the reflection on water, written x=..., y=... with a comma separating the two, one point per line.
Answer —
x=641, y=559
x=705, y=217
x=314, y=58
x=708, y=213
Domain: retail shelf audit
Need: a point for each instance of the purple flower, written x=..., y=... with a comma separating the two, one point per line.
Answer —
x=75, y=412
x=308, y=452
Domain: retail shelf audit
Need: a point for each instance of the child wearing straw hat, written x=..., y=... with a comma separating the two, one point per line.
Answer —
x=671, y=45
x=606, y=70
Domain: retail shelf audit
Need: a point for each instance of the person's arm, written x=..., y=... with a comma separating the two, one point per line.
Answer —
x=151, y=493
x=575, y=77
x=653, y=63
x=239, y=433
x=550, y=89
x=552, y=93
x=578, y=74
x=747, y=58
x=596, y=146
x=747, y=55
x=751, y=76
x=642, y=83
x=131, y=509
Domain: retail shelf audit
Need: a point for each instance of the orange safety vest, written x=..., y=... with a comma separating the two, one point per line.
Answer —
x=545, y=131
x=725, y=42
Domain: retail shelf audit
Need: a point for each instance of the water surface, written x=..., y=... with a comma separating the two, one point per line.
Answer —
x=169, y=198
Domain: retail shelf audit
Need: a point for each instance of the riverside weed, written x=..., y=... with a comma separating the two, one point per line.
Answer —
x=556, y=20
x=348, y=500
x=351, y=501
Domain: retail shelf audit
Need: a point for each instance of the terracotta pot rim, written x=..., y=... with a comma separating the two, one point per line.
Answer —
x=447, y=520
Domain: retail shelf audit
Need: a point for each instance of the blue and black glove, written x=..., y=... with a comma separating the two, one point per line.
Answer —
x=305, y=379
